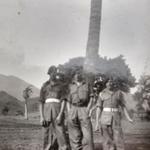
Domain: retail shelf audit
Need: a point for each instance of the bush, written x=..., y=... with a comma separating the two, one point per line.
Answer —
x=5, y=110
x=143, y=96
x=115, y=69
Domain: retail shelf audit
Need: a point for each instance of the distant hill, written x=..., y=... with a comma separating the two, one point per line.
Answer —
x=9, y=105
x=14, y=86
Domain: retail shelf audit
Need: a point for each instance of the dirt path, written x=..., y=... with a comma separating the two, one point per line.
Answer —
x=19, y=134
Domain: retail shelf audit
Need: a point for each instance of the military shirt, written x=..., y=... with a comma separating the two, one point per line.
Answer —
x=111, y=99
x=52, y=89
x=79, y=94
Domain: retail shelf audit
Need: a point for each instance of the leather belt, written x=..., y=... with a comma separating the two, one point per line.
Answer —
x=51, y=100
x=110, y=109
x=79, y=105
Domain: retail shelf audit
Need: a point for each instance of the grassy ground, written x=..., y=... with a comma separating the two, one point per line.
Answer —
x=19, y=134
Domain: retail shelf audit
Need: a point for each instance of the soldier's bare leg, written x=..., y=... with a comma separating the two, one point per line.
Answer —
x=118, y=138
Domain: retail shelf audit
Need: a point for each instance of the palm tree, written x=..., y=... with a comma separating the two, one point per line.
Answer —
x=26, y=95
x=93, y=36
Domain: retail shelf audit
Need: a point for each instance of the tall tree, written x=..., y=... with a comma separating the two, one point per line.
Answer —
x=26, y=95
x=93, y=36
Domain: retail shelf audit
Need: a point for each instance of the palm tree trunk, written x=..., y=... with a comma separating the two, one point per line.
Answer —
x=93, y=36
x=26, y=110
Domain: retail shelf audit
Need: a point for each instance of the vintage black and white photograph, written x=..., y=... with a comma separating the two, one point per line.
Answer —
x=74, y=75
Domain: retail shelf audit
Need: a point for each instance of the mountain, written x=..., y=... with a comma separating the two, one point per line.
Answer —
x=14, y=86
x=9, y=105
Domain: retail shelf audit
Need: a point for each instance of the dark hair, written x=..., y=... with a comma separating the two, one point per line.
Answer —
x=79, y=76
x=52, y=69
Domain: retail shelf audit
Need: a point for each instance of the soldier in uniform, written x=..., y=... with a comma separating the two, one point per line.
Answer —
x=98, y=86
x=110, y=104
x=79, y=123
x=52, y=104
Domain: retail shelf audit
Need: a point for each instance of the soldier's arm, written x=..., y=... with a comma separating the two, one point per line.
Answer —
x=124, y=107
x=127, y=115
x=68, y=106
x=63, y=106
x=94, y=105
x=64, y=92
x=89, y=107
x=60, y=115
x=98, y=111
x=92, y=109
x=41, y=108
x=69, y=99
x=91, y=98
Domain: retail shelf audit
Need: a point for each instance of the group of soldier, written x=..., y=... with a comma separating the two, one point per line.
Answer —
x=66, y=111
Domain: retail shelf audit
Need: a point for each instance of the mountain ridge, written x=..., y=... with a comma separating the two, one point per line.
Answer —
x=14, y=86
x=10, y=105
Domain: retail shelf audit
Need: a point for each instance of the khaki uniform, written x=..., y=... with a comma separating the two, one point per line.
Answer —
x=111, y=104
x=79, y=123
x=54, y=134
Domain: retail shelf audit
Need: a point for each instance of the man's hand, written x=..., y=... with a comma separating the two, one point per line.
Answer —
x=97, y=128
x=88, y=112
x=131, y=121
x=59, y=119
x=128, y=116
x=41, y=120
x=44, y=123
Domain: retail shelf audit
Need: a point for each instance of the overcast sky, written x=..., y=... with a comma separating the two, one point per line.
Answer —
x=37, y=34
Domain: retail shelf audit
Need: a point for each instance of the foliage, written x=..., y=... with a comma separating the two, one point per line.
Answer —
x=27, y=92
x=9, y=105
x=5, y=110
x=26, y=95
x=69, y=70
x=144, y=88
x=143, y=95
x=115, y=69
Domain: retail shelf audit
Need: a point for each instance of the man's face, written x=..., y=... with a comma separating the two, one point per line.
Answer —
x=100, y=79
x=52, y=75
x=109, y=84
x=78, y=78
